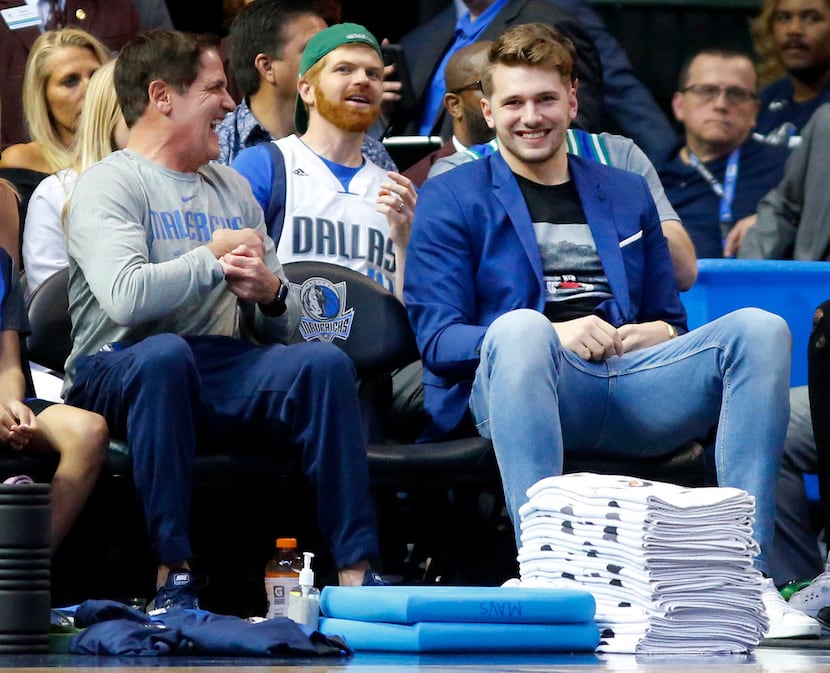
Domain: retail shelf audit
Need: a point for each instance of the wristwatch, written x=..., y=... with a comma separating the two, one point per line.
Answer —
x=672, y=330
x=276, y=307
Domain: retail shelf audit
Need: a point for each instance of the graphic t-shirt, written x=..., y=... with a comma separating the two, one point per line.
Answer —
x=575, y=281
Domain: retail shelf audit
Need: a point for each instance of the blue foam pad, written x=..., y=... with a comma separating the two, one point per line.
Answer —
x=504, y=605
x=463, y=636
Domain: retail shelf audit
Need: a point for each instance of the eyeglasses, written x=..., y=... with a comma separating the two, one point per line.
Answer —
x=472, y=86
x=735, y=95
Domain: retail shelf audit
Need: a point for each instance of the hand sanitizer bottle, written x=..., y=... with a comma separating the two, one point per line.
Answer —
x=304, y=600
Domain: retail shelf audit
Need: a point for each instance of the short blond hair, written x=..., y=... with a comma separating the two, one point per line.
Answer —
x=35, y=107
x=531, y=44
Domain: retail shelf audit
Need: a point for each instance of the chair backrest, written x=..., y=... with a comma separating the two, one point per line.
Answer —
x=354, y=312
x=340, y=305
x=50, y=340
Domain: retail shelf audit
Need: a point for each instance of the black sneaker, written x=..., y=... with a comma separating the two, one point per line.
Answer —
x=372, y=579
x=179, y=591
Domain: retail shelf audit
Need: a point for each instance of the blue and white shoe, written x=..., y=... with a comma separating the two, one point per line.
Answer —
x=179, y=591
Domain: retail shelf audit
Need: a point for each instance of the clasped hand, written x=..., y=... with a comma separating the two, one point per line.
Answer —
x=17, y=424
x=592, y=338
x=241, y=253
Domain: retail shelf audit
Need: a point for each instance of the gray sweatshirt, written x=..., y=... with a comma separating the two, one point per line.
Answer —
x=138, y=261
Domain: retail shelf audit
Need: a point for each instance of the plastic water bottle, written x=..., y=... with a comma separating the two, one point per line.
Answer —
x=282, y=572
x=304, y=599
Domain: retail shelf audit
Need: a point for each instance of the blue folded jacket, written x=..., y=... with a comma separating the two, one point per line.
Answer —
x=126, y=637
x=116, y=629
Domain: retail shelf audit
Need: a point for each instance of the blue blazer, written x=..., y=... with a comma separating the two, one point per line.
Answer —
x=473, y=256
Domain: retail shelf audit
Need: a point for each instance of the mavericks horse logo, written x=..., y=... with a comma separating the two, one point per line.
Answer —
x=325, y=316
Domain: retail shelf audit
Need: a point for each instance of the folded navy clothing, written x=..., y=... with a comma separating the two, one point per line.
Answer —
x=116, y=629
x=92, y=612
x=128, y=638
x=227, y=635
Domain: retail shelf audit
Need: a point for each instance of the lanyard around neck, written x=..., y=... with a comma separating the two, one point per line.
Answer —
x=726, y=191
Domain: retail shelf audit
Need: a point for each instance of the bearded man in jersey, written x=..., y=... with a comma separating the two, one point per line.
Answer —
x=323, y=199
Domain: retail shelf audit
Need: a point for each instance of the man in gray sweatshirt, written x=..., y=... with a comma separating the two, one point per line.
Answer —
x=168, y=254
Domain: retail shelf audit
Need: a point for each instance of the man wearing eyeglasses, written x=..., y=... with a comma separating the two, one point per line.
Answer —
x=717, y=175
x=462, y=80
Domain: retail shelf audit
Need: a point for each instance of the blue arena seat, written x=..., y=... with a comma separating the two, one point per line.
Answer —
x=790, y=289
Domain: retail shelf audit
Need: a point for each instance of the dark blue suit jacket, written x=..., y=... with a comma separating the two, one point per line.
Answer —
x=473, y=256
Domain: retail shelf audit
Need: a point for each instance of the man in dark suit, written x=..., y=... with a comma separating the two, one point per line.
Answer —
x=428, y=48
x=111, y=21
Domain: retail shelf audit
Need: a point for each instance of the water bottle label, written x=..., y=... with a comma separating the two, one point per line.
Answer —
x=276, y=589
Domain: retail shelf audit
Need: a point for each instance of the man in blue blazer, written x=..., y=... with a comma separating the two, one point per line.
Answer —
x=541, y=292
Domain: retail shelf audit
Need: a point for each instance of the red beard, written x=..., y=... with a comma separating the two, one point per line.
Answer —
x=344, y=116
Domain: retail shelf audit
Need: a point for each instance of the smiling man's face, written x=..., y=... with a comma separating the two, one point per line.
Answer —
x=200, y=109
x=530, y=108
x=349, y=87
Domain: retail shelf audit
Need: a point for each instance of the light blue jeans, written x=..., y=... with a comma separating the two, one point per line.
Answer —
x=534, y=398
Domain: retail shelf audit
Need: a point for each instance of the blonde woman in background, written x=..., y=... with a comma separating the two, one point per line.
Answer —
x=767, y=63
x=101, y=130
x=58, y=70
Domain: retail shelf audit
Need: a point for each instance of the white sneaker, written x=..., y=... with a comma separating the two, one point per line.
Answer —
x=814, y=597
x=785, y=621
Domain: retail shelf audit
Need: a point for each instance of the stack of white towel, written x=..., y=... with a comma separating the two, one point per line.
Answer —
x=671, y=568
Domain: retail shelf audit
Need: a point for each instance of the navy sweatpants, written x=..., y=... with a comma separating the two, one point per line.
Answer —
x=163, y=393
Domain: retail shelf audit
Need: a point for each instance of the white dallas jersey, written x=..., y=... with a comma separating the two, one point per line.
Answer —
x=327, y=224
